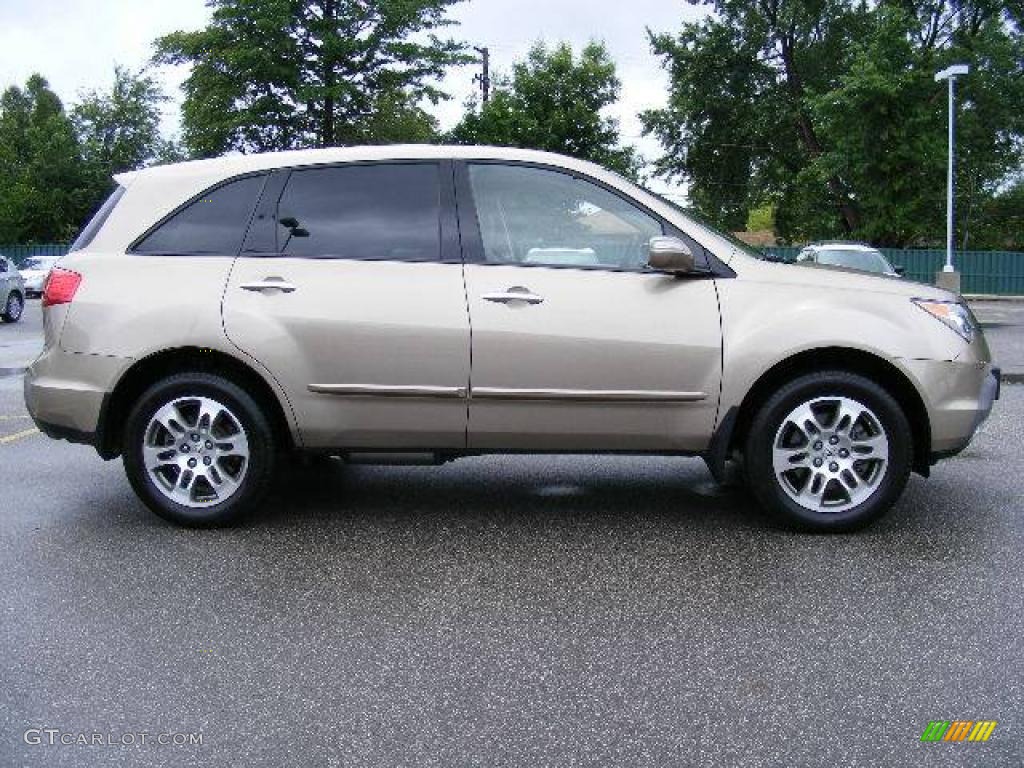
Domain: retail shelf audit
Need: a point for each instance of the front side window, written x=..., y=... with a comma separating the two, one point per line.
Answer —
x=378, y=211
x=535, y=216
x=213, y=224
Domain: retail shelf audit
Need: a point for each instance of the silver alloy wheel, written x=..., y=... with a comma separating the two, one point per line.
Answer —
x=830, y=454
x=14, y=306
x=196, y=451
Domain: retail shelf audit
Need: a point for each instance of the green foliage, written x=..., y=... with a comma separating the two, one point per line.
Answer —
x=761, y=219
x=56, y=168
x=553, y=101
x=44, y=195
x=828, y=109
x=119, y=129
x=282, y=74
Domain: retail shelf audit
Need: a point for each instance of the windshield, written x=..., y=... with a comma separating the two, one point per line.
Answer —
x=866, y=261
x=41, y=263
x=747, y=248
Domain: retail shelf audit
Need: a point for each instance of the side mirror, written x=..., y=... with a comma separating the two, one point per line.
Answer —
x=670, y=254
x=901, y=271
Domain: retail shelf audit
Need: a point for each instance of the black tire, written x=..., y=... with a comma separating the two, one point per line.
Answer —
x=14, y=308
x=758, y=452
x=259, y=469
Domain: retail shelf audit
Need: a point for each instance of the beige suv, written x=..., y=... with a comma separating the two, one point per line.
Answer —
x=418, y=304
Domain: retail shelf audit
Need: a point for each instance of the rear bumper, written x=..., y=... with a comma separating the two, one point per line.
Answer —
x=66, y=394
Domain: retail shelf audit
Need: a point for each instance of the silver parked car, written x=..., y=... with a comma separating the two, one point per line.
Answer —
x=12, y=291
x=857, y=256
x=410, y=304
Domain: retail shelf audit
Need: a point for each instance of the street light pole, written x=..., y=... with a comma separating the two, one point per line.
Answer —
x=950, y=75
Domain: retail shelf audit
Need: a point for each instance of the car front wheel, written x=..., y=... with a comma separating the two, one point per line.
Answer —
x=198, y=450
x=829, y=451
x=13, y=309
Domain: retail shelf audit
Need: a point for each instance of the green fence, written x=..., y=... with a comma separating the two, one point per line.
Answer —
x=19, y=253
x=999, y=272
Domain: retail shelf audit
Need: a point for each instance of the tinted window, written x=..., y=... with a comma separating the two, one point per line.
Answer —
x=215, y=223
x=97, y=221
x=536, y=216
x=3, y=266
x=362, y=212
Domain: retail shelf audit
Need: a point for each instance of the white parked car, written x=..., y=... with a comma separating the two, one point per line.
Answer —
x=34, y=274
x=857, y=256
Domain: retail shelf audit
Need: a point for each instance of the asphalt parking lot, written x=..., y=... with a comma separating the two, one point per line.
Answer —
x=508, y=611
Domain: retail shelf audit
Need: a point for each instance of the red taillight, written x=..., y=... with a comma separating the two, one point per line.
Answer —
x=61, y=285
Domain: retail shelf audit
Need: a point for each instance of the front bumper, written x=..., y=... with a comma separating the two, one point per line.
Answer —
x=959, y=397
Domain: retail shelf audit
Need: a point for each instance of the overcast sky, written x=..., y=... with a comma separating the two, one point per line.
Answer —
x=75, y=43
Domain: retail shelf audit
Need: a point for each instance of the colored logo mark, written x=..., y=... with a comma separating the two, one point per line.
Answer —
x=958, y=730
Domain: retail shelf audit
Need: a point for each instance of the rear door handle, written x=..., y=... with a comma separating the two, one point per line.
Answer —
x=517, y=293
x=269, y=284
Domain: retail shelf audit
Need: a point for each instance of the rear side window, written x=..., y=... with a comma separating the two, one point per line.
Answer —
x=97, y=221
x=381, y=211
x=3, y=266
x=215, y=223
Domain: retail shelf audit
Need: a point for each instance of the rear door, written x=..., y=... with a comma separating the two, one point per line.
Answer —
x=350, y=291
x=576, y=345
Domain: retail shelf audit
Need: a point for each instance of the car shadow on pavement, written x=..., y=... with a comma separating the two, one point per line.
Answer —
x=515, y=488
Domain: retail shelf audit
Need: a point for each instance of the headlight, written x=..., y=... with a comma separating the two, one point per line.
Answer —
x=952, y=314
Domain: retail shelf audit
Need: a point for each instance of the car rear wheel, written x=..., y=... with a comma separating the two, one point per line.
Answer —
x=830, y=451
x=198, y=450
x=13, y=309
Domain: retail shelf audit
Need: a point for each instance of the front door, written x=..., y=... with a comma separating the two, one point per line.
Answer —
x=350, y=292
x=576, y=346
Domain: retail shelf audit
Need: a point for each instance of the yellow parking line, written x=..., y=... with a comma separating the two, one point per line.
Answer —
x=18, y=436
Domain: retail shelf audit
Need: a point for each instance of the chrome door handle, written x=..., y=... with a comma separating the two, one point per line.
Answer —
x=269, y=284
x=514, y=294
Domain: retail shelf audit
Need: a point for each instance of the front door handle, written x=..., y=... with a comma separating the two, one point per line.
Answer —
x=269, y=284
x=517, y=293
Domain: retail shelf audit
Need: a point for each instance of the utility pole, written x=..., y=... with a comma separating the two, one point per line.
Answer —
x=948, y=277
x=484, y=78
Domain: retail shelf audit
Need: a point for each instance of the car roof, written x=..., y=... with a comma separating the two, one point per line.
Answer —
x=231, y=165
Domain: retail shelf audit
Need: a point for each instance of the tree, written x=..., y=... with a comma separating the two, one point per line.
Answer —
x=827, y=110
x=282, y=74
x=43, y=191
x=119, y=129
x=554, y=101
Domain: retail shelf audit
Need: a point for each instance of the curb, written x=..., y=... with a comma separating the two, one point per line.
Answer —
x=5, y=372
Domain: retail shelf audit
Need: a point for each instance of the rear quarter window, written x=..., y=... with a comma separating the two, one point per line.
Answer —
x=213, y=223
x=95, y=224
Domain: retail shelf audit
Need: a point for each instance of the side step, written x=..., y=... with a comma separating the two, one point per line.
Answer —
x=403, y=459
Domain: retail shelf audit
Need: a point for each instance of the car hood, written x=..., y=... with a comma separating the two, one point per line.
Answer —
x=843, y=279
